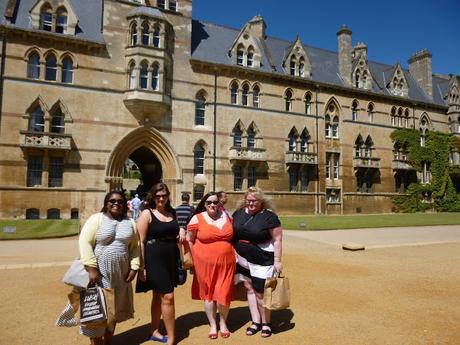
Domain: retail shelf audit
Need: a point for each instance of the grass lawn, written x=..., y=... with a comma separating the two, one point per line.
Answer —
x=39, y=228
x=368, y=221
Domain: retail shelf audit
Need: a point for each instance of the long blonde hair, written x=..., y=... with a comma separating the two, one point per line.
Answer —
x=259, y=194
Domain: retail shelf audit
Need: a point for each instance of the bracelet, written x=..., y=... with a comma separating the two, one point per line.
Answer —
x=278, y=258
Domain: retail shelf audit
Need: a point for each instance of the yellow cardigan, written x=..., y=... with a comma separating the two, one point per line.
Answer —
x=87, y=241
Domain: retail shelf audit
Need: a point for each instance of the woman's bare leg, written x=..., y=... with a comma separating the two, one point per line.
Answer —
x=211, y=310
x=155, y=311
x=169, y=315
x=223, y=314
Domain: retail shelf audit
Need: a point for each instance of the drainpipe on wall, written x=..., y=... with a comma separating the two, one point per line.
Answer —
x=214, y=133
x=2, y=74
x=318, y=204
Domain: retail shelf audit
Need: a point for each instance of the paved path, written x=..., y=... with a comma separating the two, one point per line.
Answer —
x=60, y=252
x=384, y=237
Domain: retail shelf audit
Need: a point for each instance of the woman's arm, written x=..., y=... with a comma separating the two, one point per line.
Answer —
x=86, y=243
x=277, y=235
x=133, y=253
x=192, y=228
x=142, y=229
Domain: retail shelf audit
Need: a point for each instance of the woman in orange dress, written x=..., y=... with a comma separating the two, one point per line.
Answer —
x=210, y=233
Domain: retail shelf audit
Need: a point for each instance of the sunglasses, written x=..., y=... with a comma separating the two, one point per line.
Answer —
x=117, y=201
x=158, y=196
x=252, y=201
x=214, y=202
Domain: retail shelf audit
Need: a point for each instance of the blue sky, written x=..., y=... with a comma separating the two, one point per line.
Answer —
x=393, y=30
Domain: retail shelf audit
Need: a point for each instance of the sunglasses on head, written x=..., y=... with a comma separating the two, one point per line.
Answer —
x=214, y=202
x=117, y=201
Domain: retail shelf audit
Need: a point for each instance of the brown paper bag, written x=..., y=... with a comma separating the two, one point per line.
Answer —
x=277, y=294
x=109, y=298
x=185, y=256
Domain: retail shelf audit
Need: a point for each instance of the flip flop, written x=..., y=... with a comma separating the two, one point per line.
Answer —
x=163, y=339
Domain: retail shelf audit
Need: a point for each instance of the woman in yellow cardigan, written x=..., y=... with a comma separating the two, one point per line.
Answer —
x=110, y=252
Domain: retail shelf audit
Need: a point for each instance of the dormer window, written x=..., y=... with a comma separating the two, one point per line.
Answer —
x=250, y=58
x=292, y=66
x=239, y=56
x=61, y=21
x=46, y=19
x=301, y=69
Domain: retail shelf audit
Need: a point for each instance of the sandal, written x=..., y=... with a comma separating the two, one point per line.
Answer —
x=253, y=330
x=266, y=332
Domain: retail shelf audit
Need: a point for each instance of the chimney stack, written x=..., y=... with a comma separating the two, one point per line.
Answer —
x=420, y=69
x=345, y=58
x=257, y=27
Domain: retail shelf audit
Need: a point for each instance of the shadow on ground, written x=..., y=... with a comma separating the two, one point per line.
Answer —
x=239, y=317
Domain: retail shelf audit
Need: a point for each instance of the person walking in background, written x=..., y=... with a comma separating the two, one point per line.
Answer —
x=209, y=234
x=109, y=251
x=222, y=199
x=258, y=243
x=136, y=205
x=184, y=211
x=159, y=233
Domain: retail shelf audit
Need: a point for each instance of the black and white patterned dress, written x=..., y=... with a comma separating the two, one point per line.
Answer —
x=113, y=261
x=113, y=238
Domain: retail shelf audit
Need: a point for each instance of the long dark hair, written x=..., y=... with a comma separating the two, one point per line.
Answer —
x=150, y=198
x=109, y=195
x=200, y=207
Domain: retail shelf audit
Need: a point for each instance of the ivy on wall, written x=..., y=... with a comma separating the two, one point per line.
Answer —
x=438, y=146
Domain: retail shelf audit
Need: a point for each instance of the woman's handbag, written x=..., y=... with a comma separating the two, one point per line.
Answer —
x=181, y=273
x=76, y=275
x=185, y=255
x=277, y=294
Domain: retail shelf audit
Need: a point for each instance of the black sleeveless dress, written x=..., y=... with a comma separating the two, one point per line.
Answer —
x=161, y=257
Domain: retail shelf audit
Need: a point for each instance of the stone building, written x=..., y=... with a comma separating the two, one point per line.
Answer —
x=89, y=85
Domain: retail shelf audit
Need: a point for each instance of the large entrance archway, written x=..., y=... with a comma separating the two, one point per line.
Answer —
x=152, y=154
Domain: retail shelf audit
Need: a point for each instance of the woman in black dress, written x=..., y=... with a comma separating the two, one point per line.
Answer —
x=257, y=240
x=159, y=231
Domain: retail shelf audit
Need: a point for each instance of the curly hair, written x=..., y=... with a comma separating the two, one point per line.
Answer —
x=259, y=194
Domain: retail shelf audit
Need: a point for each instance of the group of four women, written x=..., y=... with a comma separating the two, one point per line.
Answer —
x=243, y=247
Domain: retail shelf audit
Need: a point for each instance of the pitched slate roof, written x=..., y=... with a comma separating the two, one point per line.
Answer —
x=212, y=42
x=88, y=12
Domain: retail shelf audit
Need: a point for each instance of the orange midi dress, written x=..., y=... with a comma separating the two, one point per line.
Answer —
x=214, y=261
